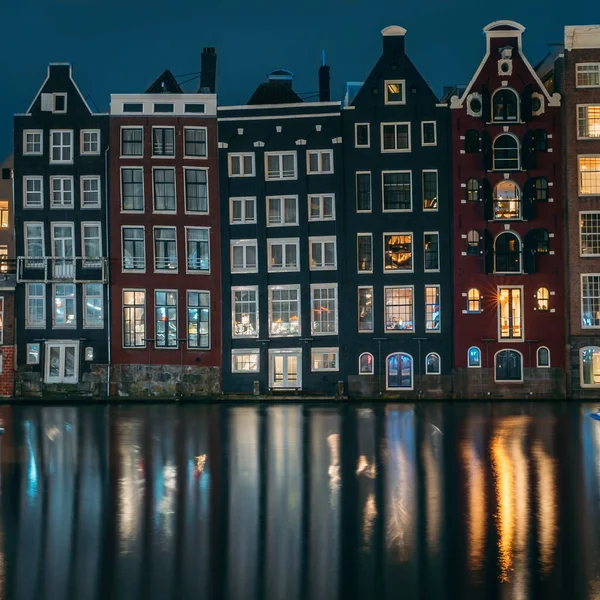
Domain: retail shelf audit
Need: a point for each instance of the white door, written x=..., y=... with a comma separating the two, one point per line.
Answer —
x=285, y=369
x=62, y=360
x=63, y=250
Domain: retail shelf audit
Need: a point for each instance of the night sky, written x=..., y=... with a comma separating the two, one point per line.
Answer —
x=121, y=46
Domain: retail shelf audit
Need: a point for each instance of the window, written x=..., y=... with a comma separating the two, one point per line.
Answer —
x=33, y=354
x=4, y=214
x=62, y=192
x=509, y=366
x=542, y=299
x=540, y=188
x=399, y=371
x=319, y=161
x=588, y=121
x=323, y=299
x=474, y=357
x=395, y=137
x=397, y=191
x=32, y=141
x=428, y=133
x=198, y=249
x=543, y=357
x=473, y=242
x=322, y=253
x=507, y=253
x=163, y=107
x=397, y=252
x=132, y=141
x=431, y=243
x=399, y=312
x=242, y=210
x=433, y=364
x=432, y=308
x=506, y=153
x=540, y=140
x=282, y=211
x=63, y=250
x=165, y=304
x=364, y=244
x=36, y=305
x=90, y=141
x=505, y=105
x=589, y=233
x=395, y=92
x=244, y=311
x=59, y=103
x=93, y=301
x=321, y=207
x=34, y=244
x=198, y=320
x=243, y=256
x=90, y=191
x=284, y=254
x=363, y=192
x=132, y=189
x=91, y=234
x=61, y=146
x=196, y=190
x=590, y=366
x=134, y=249
x=133, y=107
x=507, y=201
x=510, y=313
x=588, y=75
x=165, y=249
x=365, y=309
x=473, y=301
x=245, y=361
x=284, y=310
x=195, y=142
x=163, y=141
x=64, y=305
x=280, y=165
x=134, y=319
x=366, y=364
x=32, y=192
x=472, y=190
x=62, y=362
x=324, y=359
x=471, y=141
x=241, y=165
x=590, y=305
x=430, y=190
x=589, y=175
x=541, y=239
x=164, y=190
x=362, y=135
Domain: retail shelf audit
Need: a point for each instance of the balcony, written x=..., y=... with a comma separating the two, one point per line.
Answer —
x=49, y=269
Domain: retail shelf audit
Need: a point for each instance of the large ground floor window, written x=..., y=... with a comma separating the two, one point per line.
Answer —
x=589, y=359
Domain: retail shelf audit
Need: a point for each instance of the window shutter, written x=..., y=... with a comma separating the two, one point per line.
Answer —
x=526, y=103
x=486, y=147
x=527, y=153
x=529, y=252
x=486, y=108
x=529, y=199
x=488, y=252
x=47, y=102
x=487, y=199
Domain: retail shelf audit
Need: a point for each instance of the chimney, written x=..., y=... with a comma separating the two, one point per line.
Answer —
x=393, y=39
x=324, y=88
x=208, y=74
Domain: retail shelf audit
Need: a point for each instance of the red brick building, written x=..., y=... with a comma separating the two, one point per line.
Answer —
x=508, y=227
x=165, y=258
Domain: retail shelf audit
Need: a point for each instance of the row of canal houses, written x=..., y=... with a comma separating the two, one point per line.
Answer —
x=389, y=244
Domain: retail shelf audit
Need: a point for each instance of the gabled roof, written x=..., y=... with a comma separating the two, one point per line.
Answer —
x=274, y=92
x=165, y=84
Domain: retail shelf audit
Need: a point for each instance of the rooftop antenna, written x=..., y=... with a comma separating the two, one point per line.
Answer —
x=322, y=58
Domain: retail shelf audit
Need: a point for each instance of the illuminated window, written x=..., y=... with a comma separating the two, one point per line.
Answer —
x=589, y=175
x=432, y=308
x=505, y=105
x=365, y=364
x=93, y=301
x=399, y=309
x=507, y=201
x=134, y=318
x=509, y=365
x=245, y=361
x=473, y=301
x=507, y=253
x=365, y=309
x=588, y=121
x=474, y=357
x=398, y=252
x=244, y=312
x=590, y=301
x=323, y=299
x=284, y=310
x=472, y=190
x=165, y=249
x=473, y=240
x=506, y=153
x=64, y=305
x=510, y=313
x=165, y=304
x=399, y=371
x=542, y=299
x=324, y=359
x=433, y=364
x=395, y=92
x=197, y=249
x=198, y=320
x=590, y=366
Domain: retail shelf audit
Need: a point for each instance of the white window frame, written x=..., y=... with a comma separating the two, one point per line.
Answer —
x=358, y=270
x=439, y=297
x=163, y=211
x=412, y=374
x=321, y=198
x=27, y=178
x=578, y=119
x=187, y=268
x=185, y=199
x=297, y=352
x=356, y=126
x=399, y=331
x=123, y=306
x=94, y=262
x=372, y=363
x=412, y=245
x=56, y=325
x=187, y=320
x=123, y=268
x=82, y=181
x=164, y=156
x=195, y=156
x=439, y=372
x=396, y=210
x=86, y=324
x=36, y=132
x=244, y=244
x=358, y=289
x=581, y=214
x=159, y=270
x=243, y=200
x=395, y=150
x=62, y=146
x=469, y=365
x=437, y=189
x=509, y=381
x=328, y=286
x=582, y=277
x=245, y=352
x=270, y=291
x=319, y=154
x=177, y=320
x=62, y=345
x=29, y=350
x=281, y=154
x=62, y=178
x=579, y=157
x=423, y=142
x=425, y=269
x=586, y=64
x=581, y=380
x=402, y=82
x=537, y=358
x=322, y=240
x=370, y=210
x=129, y=210
x=54, y=97
x=28, y=323
x=283, y=242
x=244, y=288
x=82, y=142
x=268, y=201
x=334, y=351
x=129, y=156
x=512, y=340
x=241, y=156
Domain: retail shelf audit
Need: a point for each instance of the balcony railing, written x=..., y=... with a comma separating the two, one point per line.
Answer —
x=49, y=269
x=134, y=263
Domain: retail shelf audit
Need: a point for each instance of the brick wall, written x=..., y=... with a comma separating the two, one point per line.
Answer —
x=7, y=377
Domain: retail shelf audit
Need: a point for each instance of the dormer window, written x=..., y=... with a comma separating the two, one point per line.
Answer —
x=395, y=92
x=505, y=105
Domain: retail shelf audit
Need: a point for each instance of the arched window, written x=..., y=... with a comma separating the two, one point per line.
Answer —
x=543, y=357
x=590, y=366
x=473, y=241
x=474, y=357
x=505, y=105
x=399, y=371
x=506, y=153
x=540, y=187
x=365, y=364
x=542, y=299
x=471, y=141
x=542, y=241
x=509, y=365
x=433, y=364
x=540, y=140
x=473, y=301
x=472, y=190
x=507, y=201
x=507, y=253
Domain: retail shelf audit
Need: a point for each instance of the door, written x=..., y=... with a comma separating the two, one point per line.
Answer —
x=62, y=362
x=285, y=369
x=63, y=247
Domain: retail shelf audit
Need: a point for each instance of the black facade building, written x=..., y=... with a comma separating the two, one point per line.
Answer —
x=60, y=149
x=282, y=241
x=397, y=299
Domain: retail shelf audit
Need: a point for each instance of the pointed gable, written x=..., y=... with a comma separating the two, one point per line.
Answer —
x=165, y=84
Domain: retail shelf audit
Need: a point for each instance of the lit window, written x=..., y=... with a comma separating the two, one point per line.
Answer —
x=590, y=301
x=241, y=165
x=542, y=299
x=395, y=137
x=245, y=361
x=399, y=310
x=365, y=364
x=4, y=214
x=243, y=256
x=507, y=201
x=282, y=211
x=134, y=318
x=399, y=371
x=509, y=366
x=433, y=364
x=3, y=259
x=474, y=357
x=590, y=366
x=506, y=153
x=507, y=253
x=284, y=310
x=280, y=165
x=473, y=241
x=324, y=359
x=165, y=304
x=324, y=320
x=365, y=309
x=321, y=207
x=64, y=305
x=510, y=313
x=505, y=105
x=395, y=92
x=398, y=252
x=320, y=161
x=588, y=121
x=588, y=75
x=432, y=308
x=541, y=239
x=473, y=301
x=543, y=357
x=33, y=354
x=93, y=300
x=244, y=312
x=430, y=190
x=198, y=320
x=589, y=175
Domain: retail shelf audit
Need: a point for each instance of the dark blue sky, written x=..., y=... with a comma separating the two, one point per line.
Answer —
x=121, y=46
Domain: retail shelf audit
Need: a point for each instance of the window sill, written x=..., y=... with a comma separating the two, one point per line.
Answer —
x=405, y=150
x=197, y=272
x=89, y=153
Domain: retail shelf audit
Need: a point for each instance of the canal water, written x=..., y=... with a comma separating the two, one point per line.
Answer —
x=292, y=502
